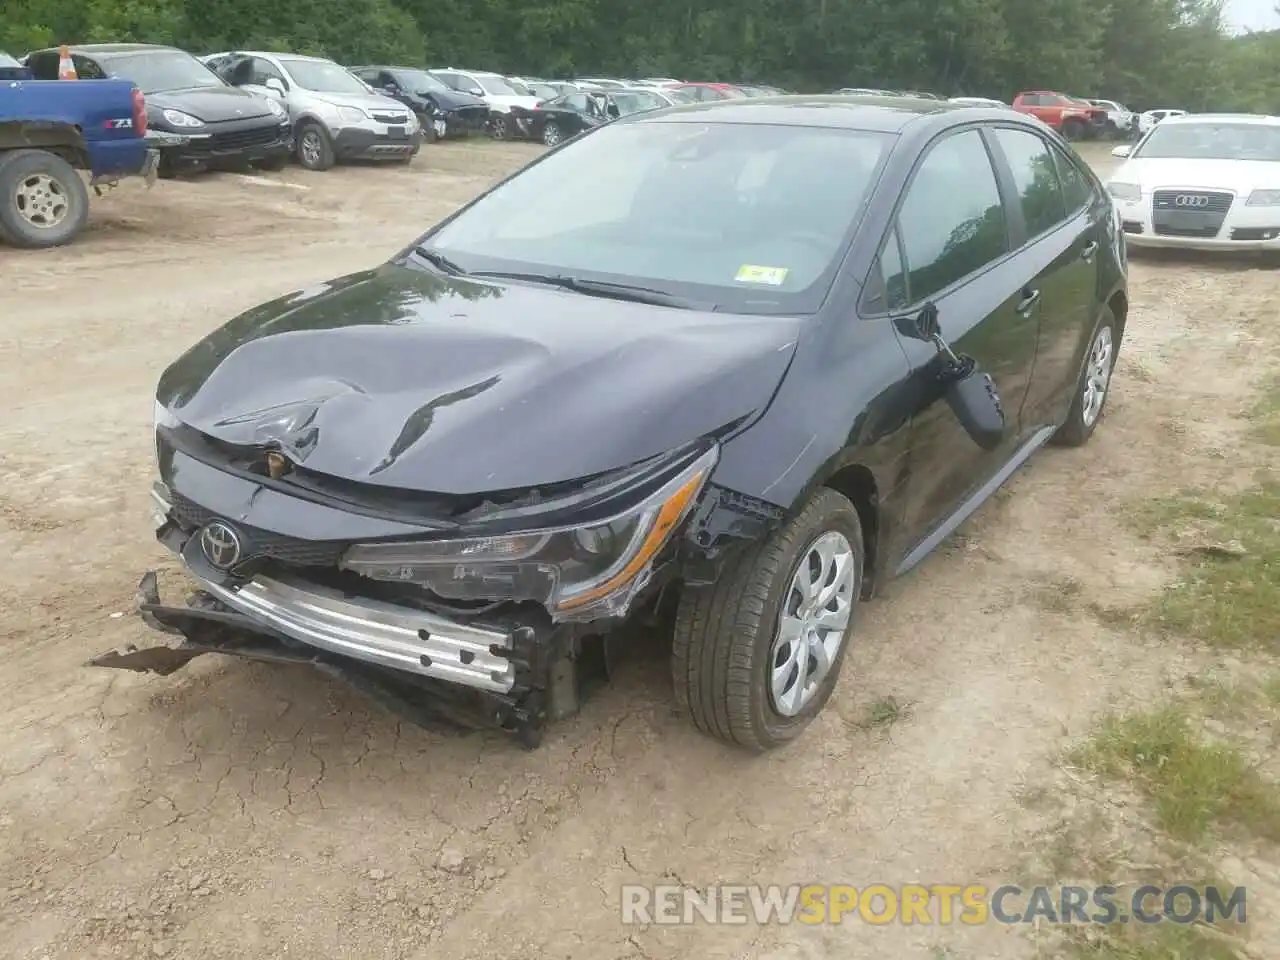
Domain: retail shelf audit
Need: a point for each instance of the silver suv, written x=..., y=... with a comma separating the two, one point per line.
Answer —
x=335, y=115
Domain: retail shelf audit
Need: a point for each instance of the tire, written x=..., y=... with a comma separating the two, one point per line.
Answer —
x=1073, y=129
x=1084, y=416
x=43, y=201
x=314, y=147
x=724, y=643
x=551, y=134
x=500, y=127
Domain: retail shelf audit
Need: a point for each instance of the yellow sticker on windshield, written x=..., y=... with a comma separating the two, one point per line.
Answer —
x=773, y=276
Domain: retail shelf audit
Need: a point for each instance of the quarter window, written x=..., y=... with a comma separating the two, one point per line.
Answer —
x=1077, y=191
x=951, y=221
x=1036, y=178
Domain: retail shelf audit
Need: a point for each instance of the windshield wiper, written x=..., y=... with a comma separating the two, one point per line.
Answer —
x=439, y=261
x=602, y=288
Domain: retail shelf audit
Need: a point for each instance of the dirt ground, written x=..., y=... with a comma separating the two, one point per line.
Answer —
x=243, y=811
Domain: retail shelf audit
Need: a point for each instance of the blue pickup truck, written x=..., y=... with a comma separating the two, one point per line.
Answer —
x=49, y=131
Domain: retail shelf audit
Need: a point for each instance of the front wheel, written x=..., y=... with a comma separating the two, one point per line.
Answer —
x=1073, y=129
x=500, y=128
x=756, y=656
x=43, y=201
x=1094, y=385
x=315, y=149
x=551, y=134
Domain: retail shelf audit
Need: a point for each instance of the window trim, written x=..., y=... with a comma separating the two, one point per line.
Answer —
x=892, y=228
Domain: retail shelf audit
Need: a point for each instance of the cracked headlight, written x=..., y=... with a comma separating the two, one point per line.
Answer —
x=578, y=573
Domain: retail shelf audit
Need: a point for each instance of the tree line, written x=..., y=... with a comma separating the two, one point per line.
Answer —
x=1145, y=53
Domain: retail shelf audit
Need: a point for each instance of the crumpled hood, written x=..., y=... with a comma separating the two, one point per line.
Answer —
x=1240, y=176
x=402, y=378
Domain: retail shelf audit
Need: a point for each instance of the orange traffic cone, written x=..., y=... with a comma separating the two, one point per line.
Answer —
x=66, y=69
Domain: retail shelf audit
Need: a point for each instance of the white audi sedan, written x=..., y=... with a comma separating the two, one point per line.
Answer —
x=1205, y=181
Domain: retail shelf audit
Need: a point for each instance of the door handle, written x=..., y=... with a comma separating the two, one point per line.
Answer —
x=1089, y=250
x=1029, y=299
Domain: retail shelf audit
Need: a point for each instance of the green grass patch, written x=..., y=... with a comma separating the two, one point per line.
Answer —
x=1166, y=942
x=1226, y=597
x=1194, y=785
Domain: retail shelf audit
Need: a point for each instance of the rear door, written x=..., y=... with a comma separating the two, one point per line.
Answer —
x=1060, y=224
x=951, y=246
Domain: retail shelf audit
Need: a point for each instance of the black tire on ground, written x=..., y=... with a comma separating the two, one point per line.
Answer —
x=720, y=660
x=1076, y=430
x=1073, y=129
x=314, y=146
x=60, y=190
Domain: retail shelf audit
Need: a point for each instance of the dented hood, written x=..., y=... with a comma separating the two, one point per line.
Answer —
x=402, y=378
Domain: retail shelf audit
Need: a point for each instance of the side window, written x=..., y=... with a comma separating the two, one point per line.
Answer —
x=87, y=69
x=1036, y=179
x=382, y=78
x=43, y=66
x=951, y=221
x=1077, y=191
x=264, y=70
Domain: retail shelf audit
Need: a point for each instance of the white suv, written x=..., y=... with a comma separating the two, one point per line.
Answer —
x=508, y=107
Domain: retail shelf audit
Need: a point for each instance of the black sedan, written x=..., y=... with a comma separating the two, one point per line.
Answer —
x=745, y=361
x=221, y=125
x=566, y=116
x=442, y=111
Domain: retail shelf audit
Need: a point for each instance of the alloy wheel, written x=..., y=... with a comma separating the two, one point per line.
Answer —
x=1097, y=376
x=311, y=148
x=41, y=201
x=812, y=622
x=551, y=134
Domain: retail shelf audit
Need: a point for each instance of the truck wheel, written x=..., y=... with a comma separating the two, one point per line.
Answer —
x=1073, y=129
x=43, y=201
x=756, y=656
x=315, y=148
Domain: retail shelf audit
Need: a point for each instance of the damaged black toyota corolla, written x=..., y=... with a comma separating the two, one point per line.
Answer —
x=748, y=359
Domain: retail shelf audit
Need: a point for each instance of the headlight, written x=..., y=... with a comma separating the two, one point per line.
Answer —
x=578, y=573
x=274, y=107
x=1264, y=198
x=352, y=114
x=177, y=118
x=1125, y=191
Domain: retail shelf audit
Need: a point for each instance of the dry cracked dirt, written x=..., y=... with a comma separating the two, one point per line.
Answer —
x=242, y=810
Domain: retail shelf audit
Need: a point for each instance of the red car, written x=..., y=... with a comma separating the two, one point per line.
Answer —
x=699, y=92
x=1072, y=118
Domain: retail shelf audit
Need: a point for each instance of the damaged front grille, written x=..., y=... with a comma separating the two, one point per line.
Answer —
x=263, y=544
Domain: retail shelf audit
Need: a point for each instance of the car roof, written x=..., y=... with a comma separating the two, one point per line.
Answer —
x=882, y=114
x=1256, y=118
x=286, y=56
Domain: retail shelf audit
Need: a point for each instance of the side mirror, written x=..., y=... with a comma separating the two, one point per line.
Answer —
x=1121, y=151
x=923, y=326
x=476, y=91
x=276, y=85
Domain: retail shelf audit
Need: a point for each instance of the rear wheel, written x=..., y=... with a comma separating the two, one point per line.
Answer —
x=756, y=656
x=500, y=127
x=1094, y=385
x=43, y=201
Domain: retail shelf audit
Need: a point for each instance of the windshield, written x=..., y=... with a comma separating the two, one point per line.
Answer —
x=419, y=81
x=1212, y=141
x=322, y=76
x=498, y=87
x=162, y=71
x=749, y=216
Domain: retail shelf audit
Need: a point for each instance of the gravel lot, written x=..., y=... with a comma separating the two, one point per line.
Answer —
x=241, y=810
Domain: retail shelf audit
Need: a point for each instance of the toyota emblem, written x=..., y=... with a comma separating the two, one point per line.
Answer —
x=1191, y=200
x=220, y=545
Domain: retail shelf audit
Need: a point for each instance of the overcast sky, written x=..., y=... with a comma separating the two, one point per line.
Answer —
x=1252, y=14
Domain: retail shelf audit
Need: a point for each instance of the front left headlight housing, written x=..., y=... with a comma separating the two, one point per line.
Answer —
x=176, y=118
x=578, y=573
x=1264, y=198
x=352, y=114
